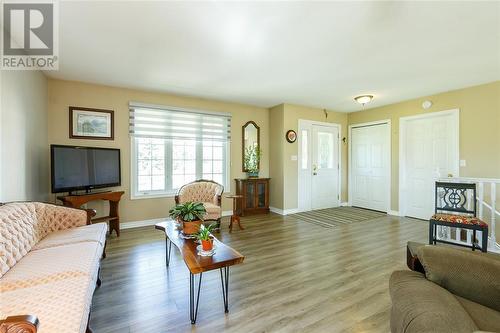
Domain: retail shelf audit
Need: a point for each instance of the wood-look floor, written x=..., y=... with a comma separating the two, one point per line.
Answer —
x=296, y=277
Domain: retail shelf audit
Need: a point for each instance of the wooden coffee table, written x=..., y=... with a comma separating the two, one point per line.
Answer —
x=223, y=258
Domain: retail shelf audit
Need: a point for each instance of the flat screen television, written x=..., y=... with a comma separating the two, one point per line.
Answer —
x=76, y=168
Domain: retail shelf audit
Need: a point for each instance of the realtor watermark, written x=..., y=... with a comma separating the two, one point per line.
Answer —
x=30, y=37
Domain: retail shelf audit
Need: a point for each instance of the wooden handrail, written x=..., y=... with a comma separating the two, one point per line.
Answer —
x=19, y=324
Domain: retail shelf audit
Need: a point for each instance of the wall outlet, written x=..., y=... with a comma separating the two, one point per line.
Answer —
x=293, y=157
x=463, y=163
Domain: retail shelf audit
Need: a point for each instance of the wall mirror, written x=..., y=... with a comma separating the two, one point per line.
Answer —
x=251, y=147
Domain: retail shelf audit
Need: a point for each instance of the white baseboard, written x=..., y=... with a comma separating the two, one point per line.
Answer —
x=145, y=223
x=344, y=204
x=138, y=224
x=393, y=212
x=284, y=212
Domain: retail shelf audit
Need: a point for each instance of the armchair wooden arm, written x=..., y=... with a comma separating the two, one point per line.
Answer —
x=19, y=324
x=90, y=214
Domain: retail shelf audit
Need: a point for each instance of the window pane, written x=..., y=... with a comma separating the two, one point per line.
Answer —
x=217, y=153
x=207, y=150
x=190, y=167
x=325, y=143
x=177, y=181
x=158, y=183
x=158, y=167
x=144, y=151
x=217, y=167
x=144, y=167
x=217, y=178
x=178, y=167
x=158, y=152
x=190, y=150
x=178, y=152
x=207, y=166
x=144, y=183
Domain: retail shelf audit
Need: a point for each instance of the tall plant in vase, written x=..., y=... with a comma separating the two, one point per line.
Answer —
x=252, y=159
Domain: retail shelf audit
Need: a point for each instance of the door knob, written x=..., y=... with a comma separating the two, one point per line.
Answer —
x=315, y=169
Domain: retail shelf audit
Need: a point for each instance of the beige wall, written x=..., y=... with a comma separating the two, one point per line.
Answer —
x=65, y=93
x=276, y=150
x=23, y=136
x=283, y=118
x=479, y=129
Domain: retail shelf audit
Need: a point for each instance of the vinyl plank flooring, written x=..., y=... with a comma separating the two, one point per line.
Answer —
x=296, y=277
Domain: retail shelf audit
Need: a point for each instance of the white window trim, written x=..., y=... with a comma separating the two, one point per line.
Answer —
x=135, y=195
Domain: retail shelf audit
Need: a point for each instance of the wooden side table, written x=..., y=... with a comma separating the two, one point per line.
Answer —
x=235, y=218
x=76, y=201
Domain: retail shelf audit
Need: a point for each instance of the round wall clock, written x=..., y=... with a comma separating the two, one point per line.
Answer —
x=291, y=136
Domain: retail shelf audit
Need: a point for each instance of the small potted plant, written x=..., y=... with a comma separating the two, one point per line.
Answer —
x=204, y=235
x=251, y=162
x=190, y=214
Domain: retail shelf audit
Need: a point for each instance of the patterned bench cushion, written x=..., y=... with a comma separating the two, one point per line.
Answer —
x=459, y=219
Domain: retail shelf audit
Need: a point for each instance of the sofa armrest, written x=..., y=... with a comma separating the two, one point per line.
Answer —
x=16, y=324
x=419, y=305
x=55, y=218
x=471, y=275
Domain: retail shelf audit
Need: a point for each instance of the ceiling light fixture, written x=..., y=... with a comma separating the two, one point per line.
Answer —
x=363, y=99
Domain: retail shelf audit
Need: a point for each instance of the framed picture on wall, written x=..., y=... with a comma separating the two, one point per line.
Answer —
x=87, y=123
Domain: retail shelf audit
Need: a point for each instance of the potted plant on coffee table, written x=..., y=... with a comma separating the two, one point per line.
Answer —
x=190, y=214
x=205, y=237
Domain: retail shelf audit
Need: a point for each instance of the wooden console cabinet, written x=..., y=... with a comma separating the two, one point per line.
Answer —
x=255, y=192
x=76, y=201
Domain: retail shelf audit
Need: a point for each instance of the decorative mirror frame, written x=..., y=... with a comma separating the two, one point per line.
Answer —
x=243, y=142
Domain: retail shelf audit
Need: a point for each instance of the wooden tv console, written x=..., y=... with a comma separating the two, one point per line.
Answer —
x=76, y=201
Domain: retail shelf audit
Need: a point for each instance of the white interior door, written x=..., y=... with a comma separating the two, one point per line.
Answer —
x=319, y=162
x=325, y=166
x=370, y=166
x=430, y=146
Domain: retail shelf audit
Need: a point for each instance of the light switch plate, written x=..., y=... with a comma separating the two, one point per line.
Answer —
x=293, y=157
x=463, y=163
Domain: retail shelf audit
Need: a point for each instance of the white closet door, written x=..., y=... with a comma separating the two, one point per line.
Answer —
x=370, y=158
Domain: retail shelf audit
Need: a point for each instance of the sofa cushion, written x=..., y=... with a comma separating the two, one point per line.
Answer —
x=214, y=212
x=89, y=233
x=485, y=318
x=24, y=224
x=459, y=219
x=62, y=305
x=53, y=264
x=419, y=305
x=472, y=275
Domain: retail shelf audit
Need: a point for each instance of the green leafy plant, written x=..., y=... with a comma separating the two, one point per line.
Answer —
x=188, y=211
x=204, y=232
x=252, y=158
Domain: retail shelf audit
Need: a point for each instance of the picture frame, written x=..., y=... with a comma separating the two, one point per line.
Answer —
x=291, y=136
x=90, y=123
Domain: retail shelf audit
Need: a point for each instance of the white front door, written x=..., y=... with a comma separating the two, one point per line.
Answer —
x=370, y=166
x=325, y=166
x=430, y=152
x=319, y=164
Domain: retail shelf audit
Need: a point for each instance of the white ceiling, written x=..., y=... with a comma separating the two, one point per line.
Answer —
x=264, y=53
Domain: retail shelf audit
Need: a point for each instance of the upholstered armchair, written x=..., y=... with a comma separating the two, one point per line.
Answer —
x=206, y=191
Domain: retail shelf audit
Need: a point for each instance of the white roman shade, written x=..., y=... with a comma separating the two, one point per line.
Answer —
x=165, y=122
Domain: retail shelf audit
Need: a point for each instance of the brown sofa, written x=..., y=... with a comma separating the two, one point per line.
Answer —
x=458, y=291
x=49, y=266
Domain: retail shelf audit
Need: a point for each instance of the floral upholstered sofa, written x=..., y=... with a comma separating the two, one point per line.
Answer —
x=49, y=267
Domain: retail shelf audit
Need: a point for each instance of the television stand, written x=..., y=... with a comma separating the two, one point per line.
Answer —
x=76, y=201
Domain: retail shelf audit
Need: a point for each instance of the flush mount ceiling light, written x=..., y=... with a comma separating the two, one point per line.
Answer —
x=363, y=99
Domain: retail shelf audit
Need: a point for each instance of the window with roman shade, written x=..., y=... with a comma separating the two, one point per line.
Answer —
x=173, y=146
